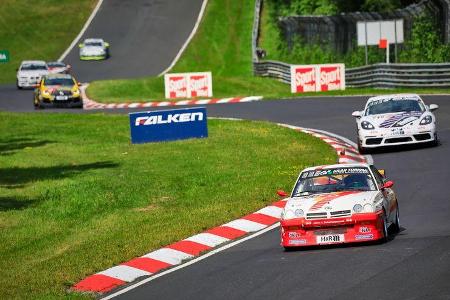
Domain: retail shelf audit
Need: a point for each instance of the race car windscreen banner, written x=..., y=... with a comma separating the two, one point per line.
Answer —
x=317, y=78
x=188, y=85
x=168, y=125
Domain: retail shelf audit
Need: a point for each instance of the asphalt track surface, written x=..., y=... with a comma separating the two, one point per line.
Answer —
x=415, y=264
x=145, y=36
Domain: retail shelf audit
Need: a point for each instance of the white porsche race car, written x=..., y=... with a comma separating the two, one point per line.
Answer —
x=391, y=120
x=94, y=49
x=342, y=203
x=30, y=73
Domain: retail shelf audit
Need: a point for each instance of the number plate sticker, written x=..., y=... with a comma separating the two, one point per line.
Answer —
x=330, y=238
x=61, y=97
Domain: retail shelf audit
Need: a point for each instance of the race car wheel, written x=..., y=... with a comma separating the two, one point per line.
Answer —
x=385, y=237
x=18, y=86
x=361, y=149
x=435, y=142
x=396, y=225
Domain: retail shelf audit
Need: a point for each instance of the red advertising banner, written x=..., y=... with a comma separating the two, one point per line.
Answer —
x=303, y=79
x=315, y=78
x=331, y=77
x=188, y=85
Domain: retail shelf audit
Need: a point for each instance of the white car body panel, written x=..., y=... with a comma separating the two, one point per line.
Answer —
x=30, y=78
x=396, y=128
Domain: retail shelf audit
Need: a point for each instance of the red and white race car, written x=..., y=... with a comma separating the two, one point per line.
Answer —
x=341, y=203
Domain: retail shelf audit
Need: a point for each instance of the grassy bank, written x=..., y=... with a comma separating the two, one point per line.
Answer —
x=77, y=197
x=38, y=30
x=223, y=45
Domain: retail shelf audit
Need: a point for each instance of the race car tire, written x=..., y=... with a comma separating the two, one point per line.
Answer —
x=435, y=142
x=361, y=149
x=18, y=86
x=396, y=224
x=289, y=249
x=385, y=237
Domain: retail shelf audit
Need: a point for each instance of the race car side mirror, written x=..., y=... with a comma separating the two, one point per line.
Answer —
x=382, y=172
x=388, y=184
x=357, y=114
x=282, y=193
x=433, y=107
x=80, y=45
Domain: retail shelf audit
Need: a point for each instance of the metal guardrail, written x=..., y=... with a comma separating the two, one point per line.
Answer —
x=377, y=75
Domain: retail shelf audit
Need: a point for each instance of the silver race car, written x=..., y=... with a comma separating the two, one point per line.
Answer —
x=391, y=120
x=94, y=49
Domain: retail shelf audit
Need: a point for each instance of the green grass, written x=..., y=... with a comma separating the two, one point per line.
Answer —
x=38, y=30
x=77, y=197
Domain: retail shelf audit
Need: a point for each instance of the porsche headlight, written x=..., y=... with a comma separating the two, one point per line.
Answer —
x=76, y=92
x=367, y=125
x=426, y=120
x=357, y=208
x=46, y=93
x=368, y=208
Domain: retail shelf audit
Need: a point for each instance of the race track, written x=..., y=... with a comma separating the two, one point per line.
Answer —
x=145, y=36
x=414, y=265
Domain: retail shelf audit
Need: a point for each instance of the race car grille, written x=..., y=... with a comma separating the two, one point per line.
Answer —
x=398, y=140
x=422, y=136
x=340, y=213
x=320, y=215
x=373, y=141
x=62, y=93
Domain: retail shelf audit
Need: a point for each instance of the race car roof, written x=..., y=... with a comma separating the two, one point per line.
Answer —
x=394, y=96
x=33, y=62
x=325, y=167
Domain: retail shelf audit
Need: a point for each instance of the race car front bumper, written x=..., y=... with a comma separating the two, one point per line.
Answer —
x=69, y=103
x=28, y=82
x=92, y=57
x=399, y=136
x=353, y=229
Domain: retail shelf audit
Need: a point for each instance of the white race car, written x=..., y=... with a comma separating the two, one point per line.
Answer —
x=391, y=120
x=30, y=73
x=94, y=49
x=343, y=203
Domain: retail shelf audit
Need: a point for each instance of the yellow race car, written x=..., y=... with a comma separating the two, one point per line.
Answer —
x=58, y=90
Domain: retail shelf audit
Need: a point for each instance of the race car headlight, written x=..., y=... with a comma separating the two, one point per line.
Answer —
x=289, y=214
x=46, y=93
x=76, y=92
x=366, y=125
x=357, y=208
x=299, y=213
x=368, y=208
x=426, y=120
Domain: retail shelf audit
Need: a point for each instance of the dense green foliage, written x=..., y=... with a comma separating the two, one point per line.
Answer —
x=424, y=45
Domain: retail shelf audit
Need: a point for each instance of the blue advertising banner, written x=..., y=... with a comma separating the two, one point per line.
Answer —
x=168, y=125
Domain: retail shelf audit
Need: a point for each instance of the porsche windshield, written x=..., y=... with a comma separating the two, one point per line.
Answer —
x=386, y=106
x=94, y=44
x=334, y=180
x=59, y=81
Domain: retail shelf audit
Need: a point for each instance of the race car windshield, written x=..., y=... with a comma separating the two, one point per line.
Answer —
x=94, y=44
x=394, y=106
x=334, y=180
x=33, y=67
x=59, y=81
x=56, y=64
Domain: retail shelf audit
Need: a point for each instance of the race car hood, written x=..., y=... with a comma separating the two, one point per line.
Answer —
x=399, y=119
x=330, y=202
x=32, y=73
x=92, y=50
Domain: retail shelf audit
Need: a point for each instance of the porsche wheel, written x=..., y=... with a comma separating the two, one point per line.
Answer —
x=361, y=149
